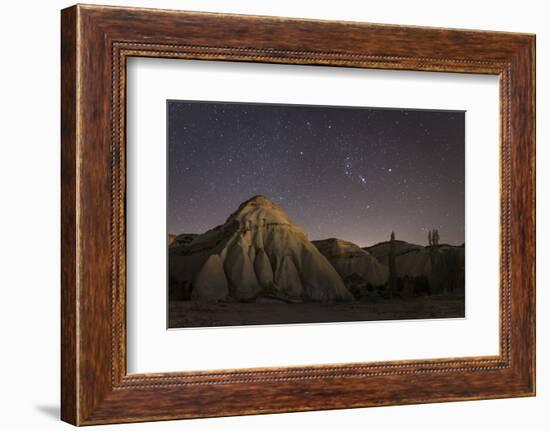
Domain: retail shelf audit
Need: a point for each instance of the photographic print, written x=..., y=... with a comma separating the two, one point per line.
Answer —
x=286, y=214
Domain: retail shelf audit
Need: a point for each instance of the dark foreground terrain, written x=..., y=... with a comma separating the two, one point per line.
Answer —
x=186, y=314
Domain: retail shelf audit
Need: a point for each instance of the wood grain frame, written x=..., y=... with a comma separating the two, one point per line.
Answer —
x=95, y=43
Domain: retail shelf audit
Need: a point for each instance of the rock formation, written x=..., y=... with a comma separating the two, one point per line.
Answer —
x=257, y=250
x=348, y=258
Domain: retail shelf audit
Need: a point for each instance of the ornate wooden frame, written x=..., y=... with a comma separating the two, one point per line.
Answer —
x=95, y=43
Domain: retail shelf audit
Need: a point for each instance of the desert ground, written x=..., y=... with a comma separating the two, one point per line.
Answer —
x=195, y=314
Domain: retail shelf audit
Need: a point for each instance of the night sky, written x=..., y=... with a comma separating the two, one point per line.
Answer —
x=343, y=172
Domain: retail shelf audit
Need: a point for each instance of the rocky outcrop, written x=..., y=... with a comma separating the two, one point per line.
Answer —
x=210, y=283
x=260, y=249
x=381, y=250
x=348, y=258
x=262, y=267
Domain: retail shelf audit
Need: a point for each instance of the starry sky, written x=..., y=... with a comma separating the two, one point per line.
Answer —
x=345, y=172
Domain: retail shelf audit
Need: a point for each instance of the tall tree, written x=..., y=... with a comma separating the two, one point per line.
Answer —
x=438, y=280
x=393, y=275
x=435, y=238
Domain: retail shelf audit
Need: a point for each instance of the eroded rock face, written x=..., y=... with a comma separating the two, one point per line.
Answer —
x=381, y=251
x=287, y=278
x=210, y=283
x=348, y=259
x=415, y=263
x=259, y=249
x=240, y=272
x=262, y=267
x=323, y=282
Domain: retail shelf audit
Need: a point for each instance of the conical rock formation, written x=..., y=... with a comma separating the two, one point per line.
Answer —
x=259, y=248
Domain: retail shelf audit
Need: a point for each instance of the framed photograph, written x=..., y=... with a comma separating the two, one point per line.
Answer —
x=349, y=176
x=264, y=215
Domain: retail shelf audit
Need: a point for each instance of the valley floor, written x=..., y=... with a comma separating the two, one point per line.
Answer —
x=185, y=314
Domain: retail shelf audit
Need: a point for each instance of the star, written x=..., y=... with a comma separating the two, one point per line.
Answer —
x=221, y=154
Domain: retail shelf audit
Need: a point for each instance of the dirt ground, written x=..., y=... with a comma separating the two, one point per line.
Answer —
x=185, y=314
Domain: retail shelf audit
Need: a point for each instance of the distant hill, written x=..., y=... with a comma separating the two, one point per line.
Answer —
x=443, y=266
x=350, y=260
x=382, y=250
